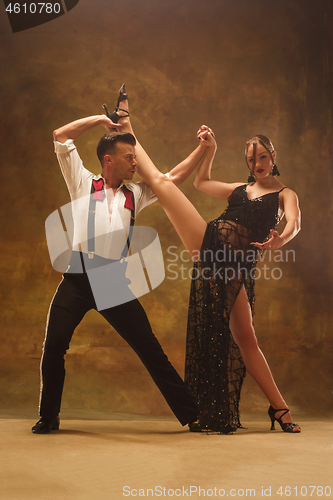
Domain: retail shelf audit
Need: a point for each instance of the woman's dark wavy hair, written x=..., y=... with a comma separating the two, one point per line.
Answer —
x=264, y=141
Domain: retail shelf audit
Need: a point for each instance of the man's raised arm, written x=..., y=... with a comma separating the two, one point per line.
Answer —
x=76, y=128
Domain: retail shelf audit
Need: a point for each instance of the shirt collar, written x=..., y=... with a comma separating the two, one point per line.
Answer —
x=100, y=176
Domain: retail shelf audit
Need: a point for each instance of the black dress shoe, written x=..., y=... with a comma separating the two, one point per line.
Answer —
x=46, y=425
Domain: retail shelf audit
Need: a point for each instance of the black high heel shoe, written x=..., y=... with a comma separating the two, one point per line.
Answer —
x=285, y=426
x=122, y=95
x=114, y=116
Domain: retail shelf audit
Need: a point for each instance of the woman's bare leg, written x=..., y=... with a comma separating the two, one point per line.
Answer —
x=243, y=332
x=186, y=220
x=191, y=228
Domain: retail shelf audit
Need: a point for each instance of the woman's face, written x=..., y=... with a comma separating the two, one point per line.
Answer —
x=261, y=166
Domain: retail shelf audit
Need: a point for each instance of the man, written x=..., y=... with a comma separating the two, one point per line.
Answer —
x=74, y=297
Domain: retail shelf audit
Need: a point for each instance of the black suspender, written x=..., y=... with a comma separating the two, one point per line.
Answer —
x=125, y=251
x=91, y=225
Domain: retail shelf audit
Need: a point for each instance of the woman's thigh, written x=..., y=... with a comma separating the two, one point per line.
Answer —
x=241, y=325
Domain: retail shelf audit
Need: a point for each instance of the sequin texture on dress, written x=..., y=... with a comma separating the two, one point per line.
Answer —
x=214, y=369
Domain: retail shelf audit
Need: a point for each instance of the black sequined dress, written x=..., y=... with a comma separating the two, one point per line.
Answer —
x=214, y=369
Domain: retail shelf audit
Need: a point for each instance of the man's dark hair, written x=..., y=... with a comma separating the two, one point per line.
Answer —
x=108, y=143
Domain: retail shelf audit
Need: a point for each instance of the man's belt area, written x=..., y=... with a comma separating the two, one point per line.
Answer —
x=79, y=263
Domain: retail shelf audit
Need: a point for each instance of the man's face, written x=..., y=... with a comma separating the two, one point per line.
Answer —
x=123, y=162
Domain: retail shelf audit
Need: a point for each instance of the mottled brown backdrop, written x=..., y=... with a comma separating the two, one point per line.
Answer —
x=241, y=67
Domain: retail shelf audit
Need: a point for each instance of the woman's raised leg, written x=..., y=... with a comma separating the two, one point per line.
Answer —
x=244, y=335
x=186, y=220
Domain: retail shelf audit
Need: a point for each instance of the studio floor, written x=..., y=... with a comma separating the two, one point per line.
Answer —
x=116, y=459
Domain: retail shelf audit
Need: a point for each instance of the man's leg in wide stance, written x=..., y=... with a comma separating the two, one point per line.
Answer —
x=70, y=303
x=131, y=322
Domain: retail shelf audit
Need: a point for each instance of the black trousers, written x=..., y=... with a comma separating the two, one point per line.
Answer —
x=71, y=302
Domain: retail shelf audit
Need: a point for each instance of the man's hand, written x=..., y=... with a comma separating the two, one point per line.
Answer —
x=206, y=136
x=109, y=125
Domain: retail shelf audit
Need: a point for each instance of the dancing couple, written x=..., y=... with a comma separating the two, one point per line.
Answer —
x=221, y=342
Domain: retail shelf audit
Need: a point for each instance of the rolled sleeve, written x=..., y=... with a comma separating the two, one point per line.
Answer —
x=62, y=148
x=71, y=166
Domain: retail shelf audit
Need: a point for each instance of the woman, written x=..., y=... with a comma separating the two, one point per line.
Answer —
x=222, y=295
x=220, y=335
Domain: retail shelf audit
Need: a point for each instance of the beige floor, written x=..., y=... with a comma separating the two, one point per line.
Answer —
x=117, y=459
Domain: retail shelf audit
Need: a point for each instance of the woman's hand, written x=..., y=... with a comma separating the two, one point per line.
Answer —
x=293, y=226
x=274, y=242
x=206, y=136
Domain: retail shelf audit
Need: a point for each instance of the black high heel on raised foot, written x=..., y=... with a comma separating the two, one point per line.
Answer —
x=285, y=426
x=122, y=95
x=114, y=116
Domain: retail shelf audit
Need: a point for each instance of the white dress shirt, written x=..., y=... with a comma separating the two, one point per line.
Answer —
x=111, y=229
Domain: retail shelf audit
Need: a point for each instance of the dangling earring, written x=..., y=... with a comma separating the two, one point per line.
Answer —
x=275, y=170
x=251, y=178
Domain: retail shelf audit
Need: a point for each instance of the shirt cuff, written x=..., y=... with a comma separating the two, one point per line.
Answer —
x=65, y=147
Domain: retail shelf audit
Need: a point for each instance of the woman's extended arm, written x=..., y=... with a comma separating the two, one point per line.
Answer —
x=181, y=171
x=203, y=180
x=293, y=226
